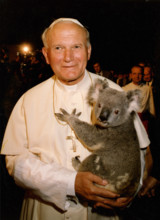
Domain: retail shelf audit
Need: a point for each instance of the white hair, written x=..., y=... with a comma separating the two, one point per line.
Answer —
x=44, y=35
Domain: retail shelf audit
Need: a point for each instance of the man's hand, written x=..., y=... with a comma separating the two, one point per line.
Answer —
x=149, y=186
x=86, y=188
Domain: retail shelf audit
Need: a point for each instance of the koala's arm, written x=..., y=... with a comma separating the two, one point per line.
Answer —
x=88, y=134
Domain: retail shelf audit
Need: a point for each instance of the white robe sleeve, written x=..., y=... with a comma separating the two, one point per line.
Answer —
x=50, y=182
x=144, y=141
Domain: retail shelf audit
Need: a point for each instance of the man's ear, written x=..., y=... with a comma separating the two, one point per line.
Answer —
x=89, y=51
x=45, y=54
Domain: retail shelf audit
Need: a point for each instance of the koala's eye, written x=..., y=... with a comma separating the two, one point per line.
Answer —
x=99, y=105
x=116, y=112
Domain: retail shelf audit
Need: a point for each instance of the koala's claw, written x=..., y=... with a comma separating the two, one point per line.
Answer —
x=65, y=115
x=59, y=116
x=64, y=111
x=74, y=113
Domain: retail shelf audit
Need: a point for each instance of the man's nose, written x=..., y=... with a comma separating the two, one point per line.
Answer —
x=68, y=55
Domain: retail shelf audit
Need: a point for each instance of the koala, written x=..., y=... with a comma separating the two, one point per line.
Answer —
x=112, y=138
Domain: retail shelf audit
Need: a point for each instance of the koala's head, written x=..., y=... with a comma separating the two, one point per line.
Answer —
x=111, y=107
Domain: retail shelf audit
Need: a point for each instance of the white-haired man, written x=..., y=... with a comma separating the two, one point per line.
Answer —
x=39, y=147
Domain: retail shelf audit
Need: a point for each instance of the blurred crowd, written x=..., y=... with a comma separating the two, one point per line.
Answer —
x=19, y=75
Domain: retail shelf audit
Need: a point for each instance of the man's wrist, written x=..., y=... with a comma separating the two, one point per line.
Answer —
x=71, y=184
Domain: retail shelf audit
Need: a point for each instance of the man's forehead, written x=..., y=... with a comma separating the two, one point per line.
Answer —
x=96, y=64
x=147, y=69
x=66, y=28
x=136, y=69
x=70, y=31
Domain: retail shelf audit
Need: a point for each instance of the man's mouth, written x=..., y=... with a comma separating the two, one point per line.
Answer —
x=68, y=66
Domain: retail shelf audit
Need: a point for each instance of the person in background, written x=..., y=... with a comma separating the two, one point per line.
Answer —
x=147, y=101
x=148, y=75
x=122, y=79
x=36, y=144
x=98, y=70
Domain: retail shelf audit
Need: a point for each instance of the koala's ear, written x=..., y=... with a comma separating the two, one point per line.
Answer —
x=95, y=89
x=101, y=84
x=134, y=98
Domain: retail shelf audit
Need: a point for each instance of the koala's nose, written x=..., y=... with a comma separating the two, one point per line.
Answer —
x=104, y=115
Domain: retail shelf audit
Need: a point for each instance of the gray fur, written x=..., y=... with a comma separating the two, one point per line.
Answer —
x=112, y=138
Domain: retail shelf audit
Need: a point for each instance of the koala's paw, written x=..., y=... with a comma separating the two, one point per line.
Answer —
x=65, y=116
x=62, y=116
x=76, y=163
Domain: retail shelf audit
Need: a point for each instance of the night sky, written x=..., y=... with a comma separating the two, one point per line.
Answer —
x=122, y=32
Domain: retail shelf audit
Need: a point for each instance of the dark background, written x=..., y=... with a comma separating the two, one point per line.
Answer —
x=122, y=32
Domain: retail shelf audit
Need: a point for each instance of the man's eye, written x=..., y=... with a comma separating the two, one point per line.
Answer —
x=58, y=48
x=77, y=46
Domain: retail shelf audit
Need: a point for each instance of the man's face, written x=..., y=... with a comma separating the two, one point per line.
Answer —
x=147, y=74
x=136, y=75
x=67, y=52
x=97, y=67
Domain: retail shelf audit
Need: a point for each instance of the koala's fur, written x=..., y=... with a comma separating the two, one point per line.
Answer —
x=112, y=137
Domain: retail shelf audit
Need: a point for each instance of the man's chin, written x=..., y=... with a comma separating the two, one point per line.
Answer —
x=71, y=80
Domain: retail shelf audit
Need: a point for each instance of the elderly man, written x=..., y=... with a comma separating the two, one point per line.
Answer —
x=39, y=147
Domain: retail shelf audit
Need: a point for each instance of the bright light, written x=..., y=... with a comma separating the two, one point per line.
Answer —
x=25, y=49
